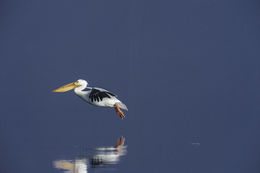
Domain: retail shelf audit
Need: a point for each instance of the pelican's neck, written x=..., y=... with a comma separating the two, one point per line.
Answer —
x=79, y=89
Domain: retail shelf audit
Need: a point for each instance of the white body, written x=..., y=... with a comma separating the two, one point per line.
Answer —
x=105, y=102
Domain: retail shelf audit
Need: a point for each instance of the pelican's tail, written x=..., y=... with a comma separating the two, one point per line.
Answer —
x=122, y=106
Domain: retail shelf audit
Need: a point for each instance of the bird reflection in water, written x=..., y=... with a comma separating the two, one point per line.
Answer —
x=102, y=157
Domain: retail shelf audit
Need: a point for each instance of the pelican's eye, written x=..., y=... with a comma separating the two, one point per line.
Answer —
x=76, y=83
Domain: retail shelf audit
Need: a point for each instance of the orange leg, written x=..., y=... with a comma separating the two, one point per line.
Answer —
x=119, y=112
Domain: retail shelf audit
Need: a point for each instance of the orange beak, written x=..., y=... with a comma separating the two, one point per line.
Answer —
x=67, y=87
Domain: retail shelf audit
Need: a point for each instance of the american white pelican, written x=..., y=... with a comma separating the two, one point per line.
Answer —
x=95, y=96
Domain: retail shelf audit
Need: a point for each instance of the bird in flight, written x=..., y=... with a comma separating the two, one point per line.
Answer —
x=95, y=96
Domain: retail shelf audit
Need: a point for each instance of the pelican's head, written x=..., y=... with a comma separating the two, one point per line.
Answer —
x=80, y=84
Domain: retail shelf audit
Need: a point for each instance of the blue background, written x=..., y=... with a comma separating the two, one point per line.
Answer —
x=187, y=70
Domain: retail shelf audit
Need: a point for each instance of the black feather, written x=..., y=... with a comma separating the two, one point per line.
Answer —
x=98, y=95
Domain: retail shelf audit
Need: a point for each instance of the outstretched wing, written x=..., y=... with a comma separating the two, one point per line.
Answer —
x=97, y=94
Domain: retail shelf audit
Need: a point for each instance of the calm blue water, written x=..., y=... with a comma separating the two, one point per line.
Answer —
x=187, y=70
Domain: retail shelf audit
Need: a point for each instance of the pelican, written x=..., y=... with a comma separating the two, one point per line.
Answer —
x=94, y=96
